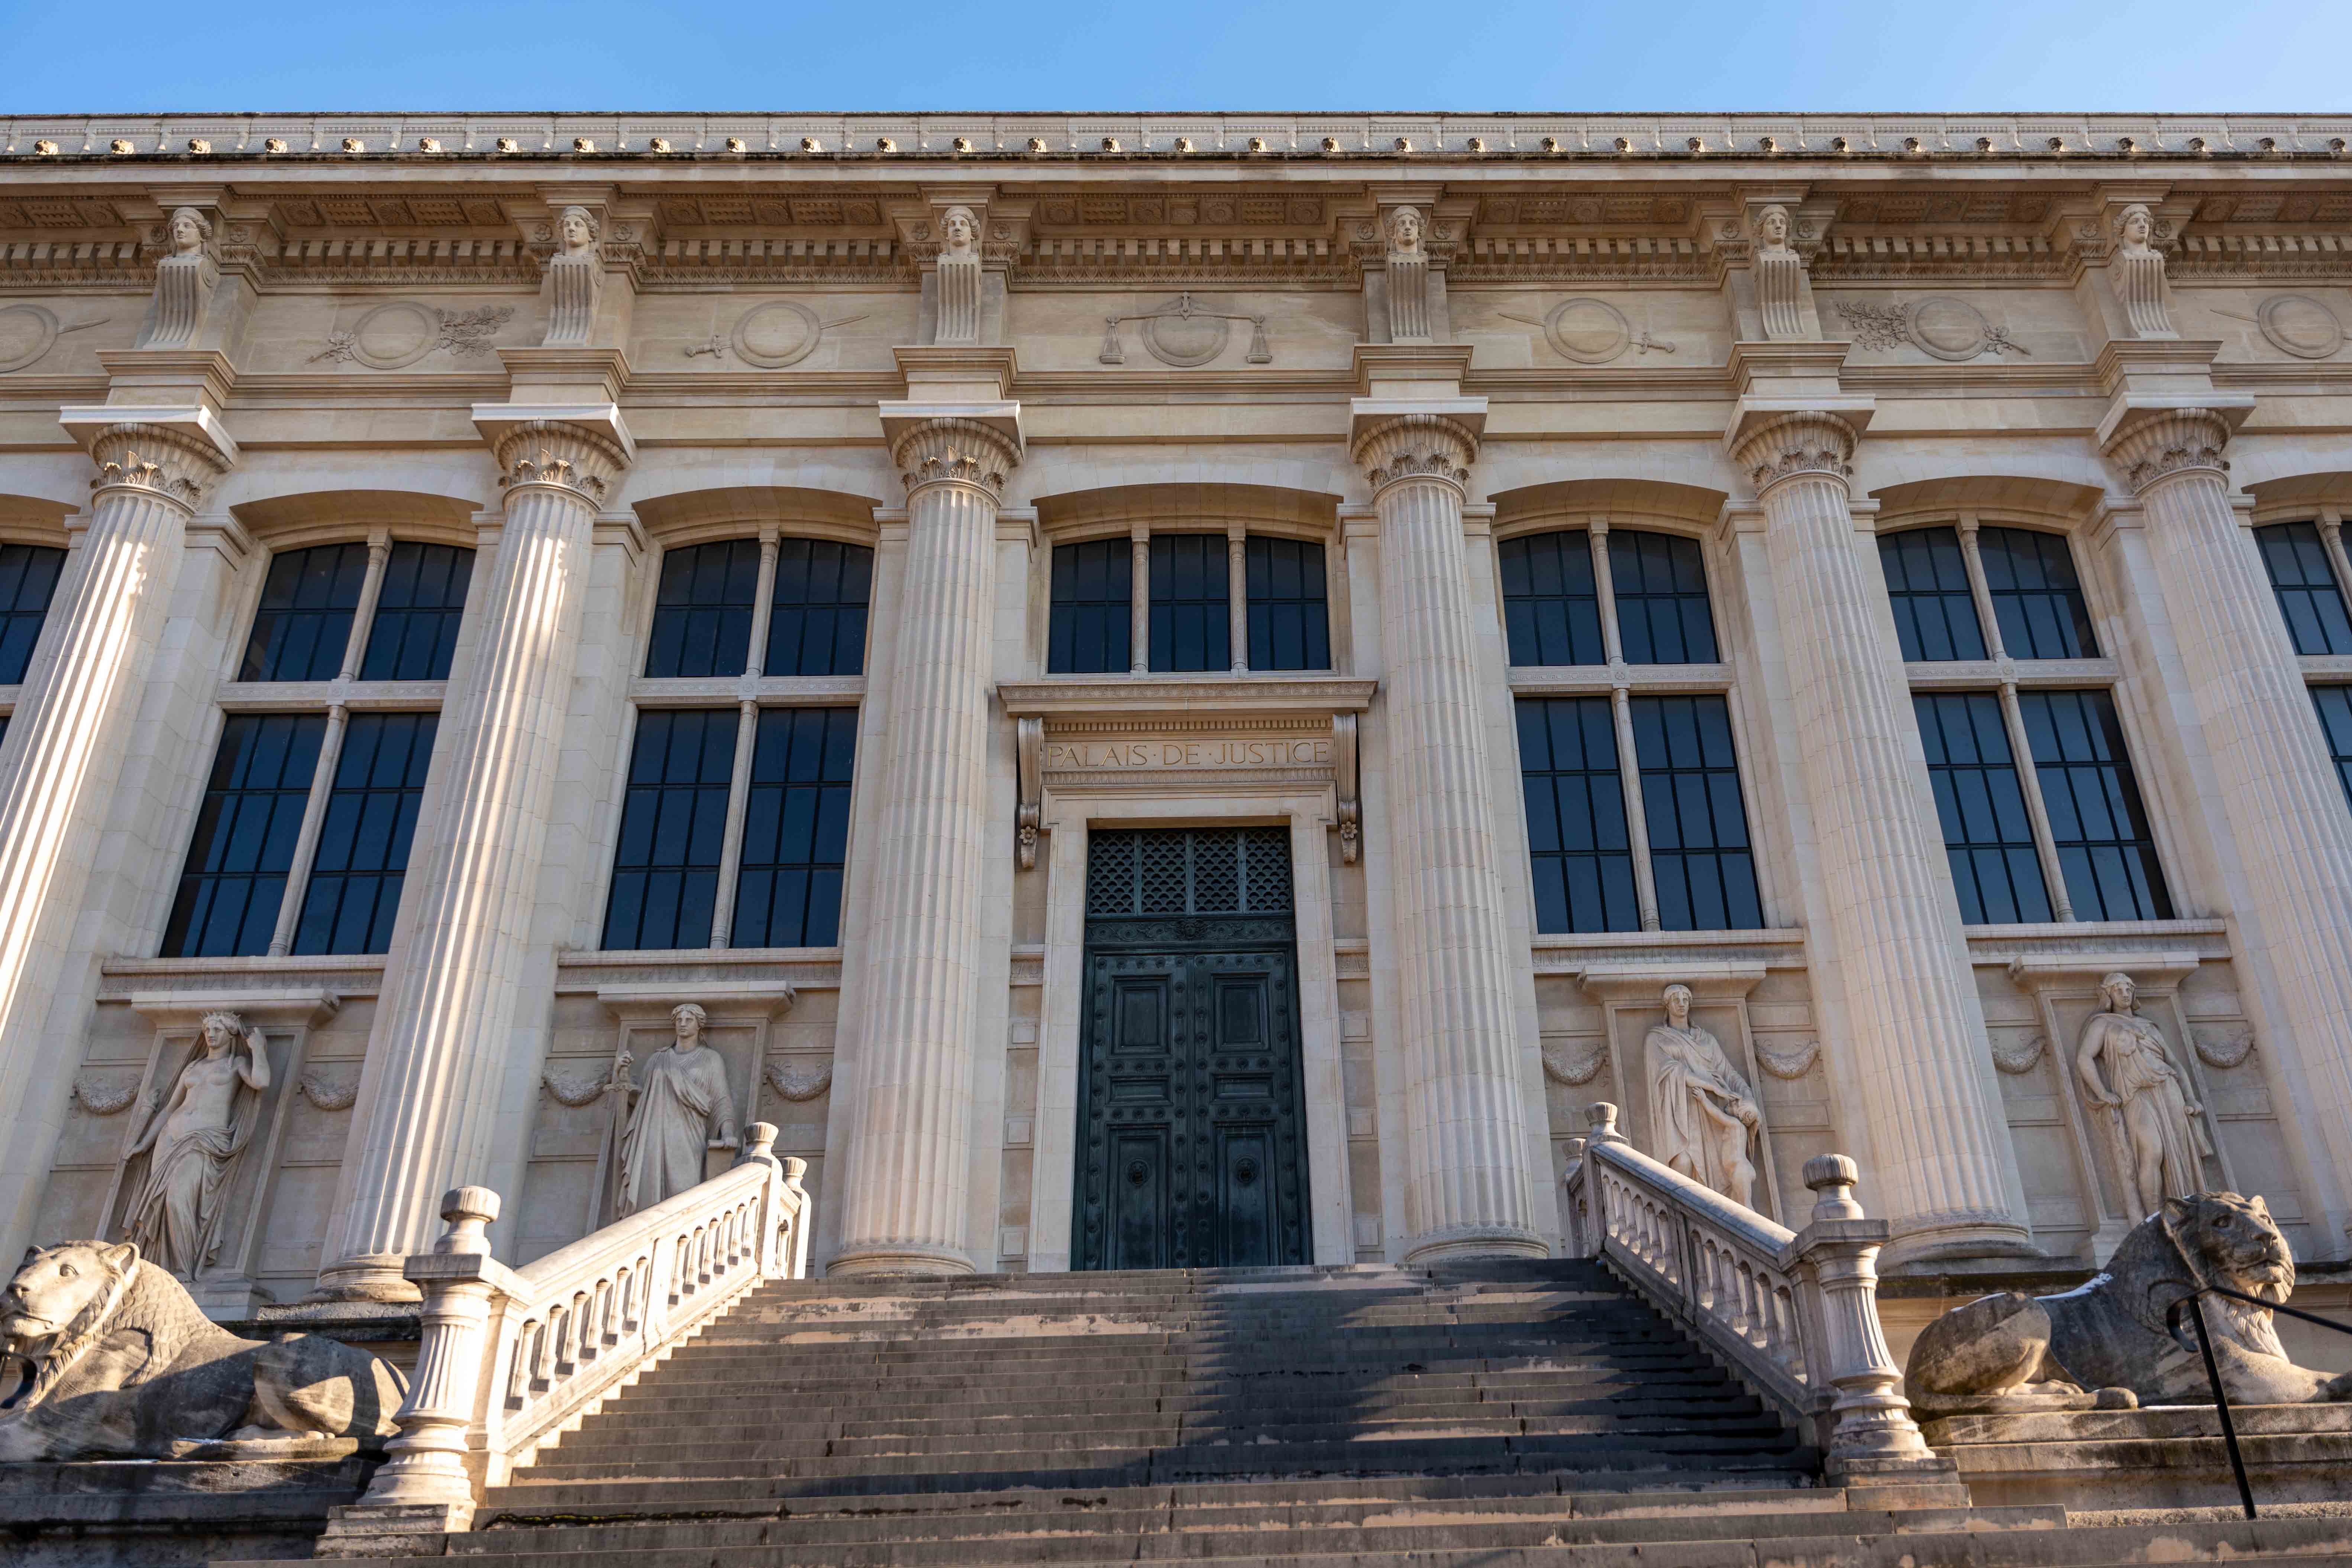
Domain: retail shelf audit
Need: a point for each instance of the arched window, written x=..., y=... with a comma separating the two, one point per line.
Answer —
x=1557, y=600
x=304, y=624
x=28, y=580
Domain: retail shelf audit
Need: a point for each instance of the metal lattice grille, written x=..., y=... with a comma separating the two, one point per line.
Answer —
x=1189, y=871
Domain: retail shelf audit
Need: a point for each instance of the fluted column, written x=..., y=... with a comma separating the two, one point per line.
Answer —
x=2277, y=786
x=71, y=729
x=1468, y=1185
x=903, y=1196
x=427, y=1100
x=1894, y=949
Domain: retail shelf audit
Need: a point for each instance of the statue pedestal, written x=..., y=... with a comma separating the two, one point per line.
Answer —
x=2164, y=1457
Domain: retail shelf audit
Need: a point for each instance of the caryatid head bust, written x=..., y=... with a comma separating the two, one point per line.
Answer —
x=960, y=229
x=190, y=231
x=578, y=229
x=2120, y=992
x=1772, y=227
x=2135, y=227
x=1404, y=228
x=221, y=1030
x=691, y=1021
x=1677, y=998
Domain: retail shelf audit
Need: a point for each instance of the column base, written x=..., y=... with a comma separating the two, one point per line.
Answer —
x=369, y=1277
x=1475, y=1241
x=394, y=1529
x=911, y=1258
x=1958, y=1246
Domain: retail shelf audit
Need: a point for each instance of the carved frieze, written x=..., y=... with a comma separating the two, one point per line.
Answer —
x=1938, y=326
x=29, y=331
x=396, y=336
x=1184, y=335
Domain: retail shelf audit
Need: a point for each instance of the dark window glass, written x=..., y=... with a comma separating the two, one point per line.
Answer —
x=1191, y=608
x=702, y=611
x=363, y=856
x=2335, y=704
x=1927, y=579
x=28, y=577
x=1091, y=625
x=2095, y=815
x=415, y=630
x=1988, y=835
x=2305, y=581
x=2035, y=595
x=673, y=821
x=1700, y=855
x=1659, y=581
x=1289, y=612
x=1552, y=604
x=1576, y=816
x=305, y=620
x=816, y=624
x=796, y=829
x=246, y=829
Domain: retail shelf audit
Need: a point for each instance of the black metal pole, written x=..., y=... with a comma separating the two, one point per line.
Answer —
x=2221, y=1403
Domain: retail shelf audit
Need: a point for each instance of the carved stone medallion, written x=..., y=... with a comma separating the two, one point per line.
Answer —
x=394, y=336
x=25, y=334
x=1588, y=330
x=2299, y=325
x=776, y=335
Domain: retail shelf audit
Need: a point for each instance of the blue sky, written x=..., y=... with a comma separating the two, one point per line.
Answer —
x=145, y=55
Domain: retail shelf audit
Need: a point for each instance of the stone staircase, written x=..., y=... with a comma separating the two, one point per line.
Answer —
x=1486, y=1412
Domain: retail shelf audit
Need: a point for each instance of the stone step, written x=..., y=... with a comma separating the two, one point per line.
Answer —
x=1553, y=1397
x=1120, y=1350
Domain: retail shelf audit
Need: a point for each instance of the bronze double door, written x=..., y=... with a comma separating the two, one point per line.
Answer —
x=1191, y=1150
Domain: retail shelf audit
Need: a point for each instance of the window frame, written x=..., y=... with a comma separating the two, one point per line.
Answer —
x=1622, y=683
x=2007, y=677
x=2318, y=668
x=747, y=695
x=1238, y=530
x=338, y=699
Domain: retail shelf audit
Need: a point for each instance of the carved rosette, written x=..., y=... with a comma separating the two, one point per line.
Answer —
x=1417, y=446
x=156, y=461
x=1812, y=442
x=2169, y=441
x=567, y=458
x=956, y=452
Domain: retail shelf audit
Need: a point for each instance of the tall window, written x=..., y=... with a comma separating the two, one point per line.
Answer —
x=1093, y=611
x=1576, y=816
x=2041, y=814
x=2334, y=705
x=304, y=624
x=1557, y=600
x=817, y=611
x=1191, y=602
x=1935, y=608
x=28, y=579
x=1632, y=782
x=2303, y=578
x=1289, y=614
x=702, y=610
x=247, y=831
x=276, y=865
x=2096, y=816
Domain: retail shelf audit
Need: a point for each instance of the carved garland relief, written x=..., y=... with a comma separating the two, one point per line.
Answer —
x=396, y=336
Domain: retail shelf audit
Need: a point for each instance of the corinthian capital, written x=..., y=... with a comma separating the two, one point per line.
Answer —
x=956, y=452
x=1417, y=446
x=2162, y=442
x=571, y=457
x=156, y=460
x=1812, y=441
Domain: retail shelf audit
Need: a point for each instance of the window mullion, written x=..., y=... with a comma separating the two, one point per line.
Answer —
x=2045, y=843
x=363, y=614
x=739, y=798
x=2331, y=533
x=764, y=609
x=1604, y=591
x=1980, y=591
x=1237, y=594
x=1637, y=819
x=1139, y=600
x=314, y=815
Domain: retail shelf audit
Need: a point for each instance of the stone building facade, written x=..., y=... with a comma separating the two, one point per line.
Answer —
x=1175, y=691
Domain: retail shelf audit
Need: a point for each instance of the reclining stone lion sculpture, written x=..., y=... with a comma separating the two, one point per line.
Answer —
x=2109, y=1344
x=105, y=1356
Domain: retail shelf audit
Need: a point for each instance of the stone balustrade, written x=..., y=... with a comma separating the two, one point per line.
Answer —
x=512, y=1357
x=1795, y=1312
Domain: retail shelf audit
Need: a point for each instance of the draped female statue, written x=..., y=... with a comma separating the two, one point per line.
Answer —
x=1702, y=1112
x=682, y=1107
x=2156, y=1131
x=192, y=1145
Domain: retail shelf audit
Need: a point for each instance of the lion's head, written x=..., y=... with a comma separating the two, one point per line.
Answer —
x=2231, y=1240
x=60, y=1291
